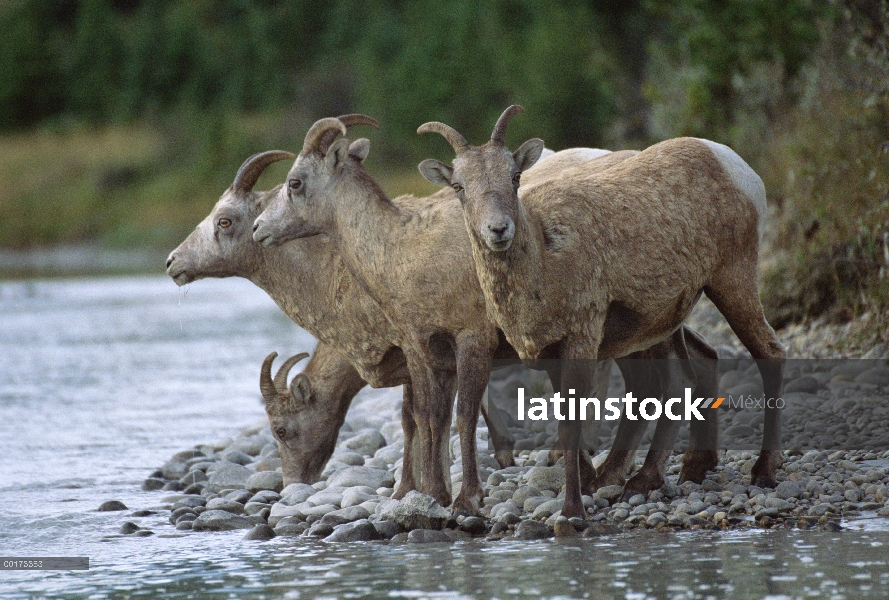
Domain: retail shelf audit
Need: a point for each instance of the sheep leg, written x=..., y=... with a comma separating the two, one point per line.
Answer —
x=701, y=456
x=502, y=440
x=410, y=465
x=628, y=435
x=589, y=429
x=472, y=377
x=665, y=378
x=735, y=294
x=441, y=401
x=421, y=385
x=576, y=375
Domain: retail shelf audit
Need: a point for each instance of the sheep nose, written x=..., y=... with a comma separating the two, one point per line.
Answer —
x=255, y=227
x=170, y=261
x=498, y=231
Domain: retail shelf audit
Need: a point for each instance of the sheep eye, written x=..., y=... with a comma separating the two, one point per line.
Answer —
x=295, y=184
x=224, y=223
x=457, y=187
x=517, y=177
x=280, y=432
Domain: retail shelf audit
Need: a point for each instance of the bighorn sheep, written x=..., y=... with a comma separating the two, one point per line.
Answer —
x=416, y=263
x=599, y=265
x=310, y=284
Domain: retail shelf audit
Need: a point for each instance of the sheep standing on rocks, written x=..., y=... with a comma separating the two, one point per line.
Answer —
x=416, y=262
x=311, y=285
x=591, y=266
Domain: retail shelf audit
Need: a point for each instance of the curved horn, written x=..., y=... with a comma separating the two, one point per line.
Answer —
x=454, y=138
x=356, y=119
x=319, y=133
x=253, y=167
x=266, y=386
x=499, y=133
x=284, y=371
x=349, y=121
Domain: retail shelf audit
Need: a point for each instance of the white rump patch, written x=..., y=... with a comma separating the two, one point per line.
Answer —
x=743, y=177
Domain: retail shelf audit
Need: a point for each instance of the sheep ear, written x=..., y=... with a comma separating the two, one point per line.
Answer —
x=436, y=172
x=301, y=389
x=338, y=153
x=359, y=149
x=528, y=154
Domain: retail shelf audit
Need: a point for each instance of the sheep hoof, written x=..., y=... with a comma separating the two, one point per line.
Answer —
x=696, y=465
x=642, y=483
x=504, y=458
x=467, y=505
x=763, y=472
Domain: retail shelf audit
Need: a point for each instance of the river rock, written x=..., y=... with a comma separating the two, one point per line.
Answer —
x=251, y=445
x=239, y=496
x=319, y=510
x=391, y=454
x=361, y=476
x=415, y=511
x=332, y=495
x=878, y=376
x=193, y=477
x=427, y=536
x=357, y=531
x=268, y=464
x=291, y=526
x=345, y=515
x=740, y=431
x=129, y=527
x=609, y=493
x=806, y=383
x=387, y=529
x=788, y=489
x=296, y=493
x=265, y=480
x=260, y=532
x=237, y=457
x=547, y=509
x=319, y=529
x=349, y=458
x=546, y=478
x=220, y=520
x=355, y=496
x=367, y=442
x=532, y=530
x=152, y=483
x=228, y=476
x=473, y=525
x=235, y=508
x=174, y=470
x=112, y=505
x=280, y=511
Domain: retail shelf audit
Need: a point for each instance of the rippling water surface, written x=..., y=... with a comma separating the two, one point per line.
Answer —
x=101, y=380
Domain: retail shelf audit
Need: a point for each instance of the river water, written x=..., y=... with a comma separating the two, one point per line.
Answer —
x=101, y=380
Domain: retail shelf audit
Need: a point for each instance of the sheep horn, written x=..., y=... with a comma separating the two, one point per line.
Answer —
x=253, y=167
x=349, y=121
x=318, y=134
x=281, y=376
x=499, y=133
x=454, y=138
x=266, y=386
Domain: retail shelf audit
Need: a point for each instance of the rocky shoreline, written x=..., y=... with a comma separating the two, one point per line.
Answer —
x=236, y=483
x=233, y=485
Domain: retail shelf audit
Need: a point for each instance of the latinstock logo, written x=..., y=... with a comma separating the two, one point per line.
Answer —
x=583, y=409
